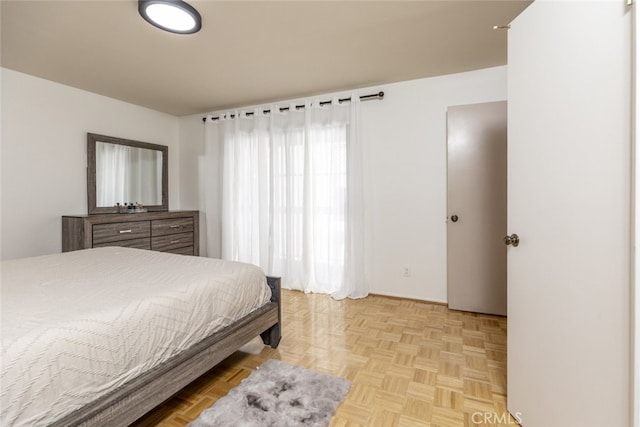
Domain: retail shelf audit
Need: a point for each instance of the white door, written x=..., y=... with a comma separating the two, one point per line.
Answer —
x=477, y=207
x=569, y=91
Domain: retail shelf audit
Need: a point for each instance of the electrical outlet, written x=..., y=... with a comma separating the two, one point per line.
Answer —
x=406, y=272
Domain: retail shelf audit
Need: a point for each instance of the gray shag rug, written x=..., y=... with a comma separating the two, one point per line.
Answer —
x=278, y=394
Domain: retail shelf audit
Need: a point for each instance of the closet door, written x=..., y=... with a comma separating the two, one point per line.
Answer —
x=477, y=206
x=569, y=201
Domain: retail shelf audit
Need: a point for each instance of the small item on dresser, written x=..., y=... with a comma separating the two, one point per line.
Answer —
x=123, y=208
x=137, y=208
x=131, y=208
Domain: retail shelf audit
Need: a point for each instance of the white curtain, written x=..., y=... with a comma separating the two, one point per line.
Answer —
x=111, y=166
x=292, y=195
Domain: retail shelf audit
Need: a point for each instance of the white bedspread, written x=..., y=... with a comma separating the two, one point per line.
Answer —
x=78, y=324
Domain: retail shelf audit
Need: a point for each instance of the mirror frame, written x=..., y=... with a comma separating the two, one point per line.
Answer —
x=92, y=138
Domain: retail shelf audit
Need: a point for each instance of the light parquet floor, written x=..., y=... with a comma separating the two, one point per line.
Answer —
x=411, y=363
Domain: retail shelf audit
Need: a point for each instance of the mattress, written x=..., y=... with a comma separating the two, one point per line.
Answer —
x=79, y=324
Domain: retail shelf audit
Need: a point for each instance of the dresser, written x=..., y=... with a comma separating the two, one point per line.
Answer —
x=175, y=231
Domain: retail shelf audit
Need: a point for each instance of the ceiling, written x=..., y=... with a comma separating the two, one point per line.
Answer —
x=250, y=52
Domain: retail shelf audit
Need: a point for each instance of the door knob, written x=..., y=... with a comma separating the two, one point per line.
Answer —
x=512, y=240
x=454, y=218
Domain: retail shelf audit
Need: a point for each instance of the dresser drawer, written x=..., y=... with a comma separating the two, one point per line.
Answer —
x=187, y=250
x=134, y=243
x=161, y=227
x=171, y=242
x=107, y=233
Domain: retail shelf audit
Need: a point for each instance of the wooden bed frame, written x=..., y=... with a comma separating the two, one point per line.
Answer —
x=137, y=397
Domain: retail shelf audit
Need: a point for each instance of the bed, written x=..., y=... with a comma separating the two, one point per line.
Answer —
x=101, y=336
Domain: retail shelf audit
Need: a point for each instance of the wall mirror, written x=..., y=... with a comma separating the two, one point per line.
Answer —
x=121, y=171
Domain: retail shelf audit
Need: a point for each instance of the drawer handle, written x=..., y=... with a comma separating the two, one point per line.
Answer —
x=174, y=241
x=176, y=226
x=124, y=231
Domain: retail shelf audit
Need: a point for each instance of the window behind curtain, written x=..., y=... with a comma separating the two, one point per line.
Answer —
x=309, y=204
x=286, y=179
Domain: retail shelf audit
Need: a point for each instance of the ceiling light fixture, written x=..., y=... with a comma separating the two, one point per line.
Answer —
x=174, y=16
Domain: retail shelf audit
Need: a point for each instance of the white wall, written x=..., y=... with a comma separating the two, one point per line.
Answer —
x=43, y=143
x=405, y=193
x=405, y=190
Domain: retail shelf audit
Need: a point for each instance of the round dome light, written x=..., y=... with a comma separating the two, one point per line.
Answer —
x=174, y=16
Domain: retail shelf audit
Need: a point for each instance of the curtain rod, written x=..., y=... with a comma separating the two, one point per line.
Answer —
x=379, y=95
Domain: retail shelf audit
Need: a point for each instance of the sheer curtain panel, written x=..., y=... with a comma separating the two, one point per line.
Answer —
x=292, y=194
